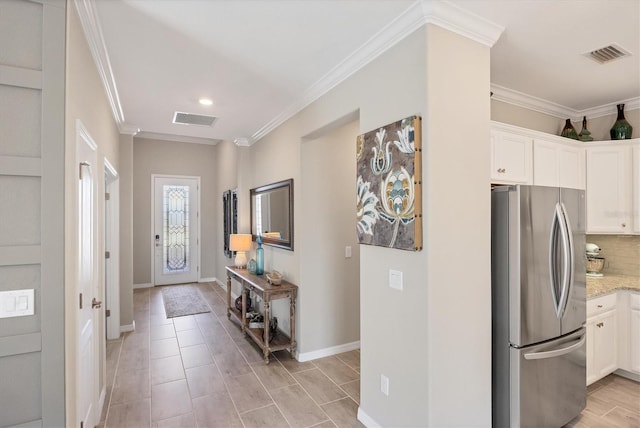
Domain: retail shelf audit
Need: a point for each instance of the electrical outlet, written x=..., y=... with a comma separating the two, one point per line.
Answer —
x=384, y=385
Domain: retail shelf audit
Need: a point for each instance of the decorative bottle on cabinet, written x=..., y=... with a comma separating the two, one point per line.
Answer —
x=621, y=129
x=259, y=257
x=569, y=131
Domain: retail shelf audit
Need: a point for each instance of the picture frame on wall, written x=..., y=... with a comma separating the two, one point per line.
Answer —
x=389, y=185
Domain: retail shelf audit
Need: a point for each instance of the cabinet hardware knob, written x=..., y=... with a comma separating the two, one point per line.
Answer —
x=624, y=224
x=599, y=306
x=600, y=324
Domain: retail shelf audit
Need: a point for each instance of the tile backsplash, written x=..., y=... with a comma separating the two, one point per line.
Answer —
x=622, y=253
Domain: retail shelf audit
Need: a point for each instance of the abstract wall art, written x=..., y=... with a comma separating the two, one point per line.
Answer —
x=389, y=185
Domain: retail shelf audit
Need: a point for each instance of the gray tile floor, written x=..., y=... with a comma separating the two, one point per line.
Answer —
x=199, y=371
x=613, y=402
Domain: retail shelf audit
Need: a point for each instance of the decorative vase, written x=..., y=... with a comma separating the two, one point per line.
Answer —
x=621, y=130
x=585, y=135
x=251, y=267
x=259, y=257
x=569, y=131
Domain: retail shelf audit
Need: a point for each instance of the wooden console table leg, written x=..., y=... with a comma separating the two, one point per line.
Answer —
x=243, y=312
x=292, y=324
x=228, y=296
x=267, y=315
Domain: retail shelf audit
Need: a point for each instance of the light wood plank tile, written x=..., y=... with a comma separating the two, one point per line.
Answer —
x=265, y=417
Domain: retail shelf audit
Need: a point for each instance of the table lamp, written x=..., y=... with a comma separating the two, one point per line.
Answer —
x=240, y=243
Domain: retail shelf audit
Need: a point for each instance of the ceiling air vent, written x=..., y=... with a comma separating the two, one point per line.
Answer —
x=192, y=119
x=608, y=53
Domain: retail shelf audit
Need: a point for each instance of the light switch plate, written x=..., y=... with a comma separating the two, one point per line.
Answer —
x=395, y=279
x=347, y=252
x=16, y=303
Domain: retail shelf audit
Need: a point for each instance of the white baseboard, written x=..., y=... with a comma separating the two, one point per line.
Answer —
x=366, y=419
x=127, y=328
x=145, y=285
x=327, y=352
x=210, y=279
x=628, y=375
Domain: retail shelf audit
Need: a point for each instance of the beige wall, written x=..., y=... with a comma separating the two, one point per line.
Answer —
x=226, y=179
x=621, y=253
x=85, y=101
x=331, y=293
x=420, y=338
x=173, y=158
x=599, y=126
x=126, y=230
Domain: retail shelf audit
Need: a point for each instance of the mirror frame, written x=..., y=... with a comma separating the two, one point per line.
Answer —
x=279, y=243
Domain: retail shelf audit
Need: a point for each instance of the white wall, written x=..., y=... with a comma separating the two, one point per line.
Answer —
x=420, y=338
x=330, y=298
x=458, y=232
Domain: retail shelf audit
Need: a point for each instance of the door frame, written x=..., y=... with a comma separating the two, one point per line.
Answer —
x=112, y=244
x=152, y=234
x=84, y=137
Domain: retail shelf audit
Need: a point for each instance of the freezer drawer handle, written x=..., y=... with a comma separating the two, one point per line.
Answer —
x=555, y=352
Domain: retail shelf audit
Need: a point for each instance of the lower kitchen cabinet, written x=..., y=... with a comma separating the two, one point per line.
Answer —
x=634, y=324
x=602, y=337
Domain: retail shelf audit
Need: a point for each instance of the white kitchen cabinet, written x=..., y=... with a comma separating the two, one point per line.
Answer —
x=558, y=164
x=602, y=337
x=636, y=187
x=634, y=330
x=511, y=158
x=609, y=189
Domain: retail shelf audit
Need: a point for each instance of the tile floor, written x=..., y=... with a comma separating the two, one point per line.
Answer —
x=199, y=371
x=613, y=401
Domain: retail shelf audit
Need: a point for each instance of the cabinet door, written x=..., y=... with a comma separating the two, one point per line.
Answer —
x=511, y=158
x=571, y=167
x=636, y=189
x=557, y=164
x=635, y=340
x=608, y=192
x=606, y=344
x=592, y=375
x=545, y=163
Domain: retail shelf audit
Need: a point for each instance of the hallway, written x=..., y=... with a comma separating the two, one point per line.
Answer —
x=199, y=371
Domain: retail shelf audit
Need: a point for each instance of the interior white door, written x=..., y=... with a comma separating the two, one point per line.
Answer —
x=86, y=258
x=175, y=232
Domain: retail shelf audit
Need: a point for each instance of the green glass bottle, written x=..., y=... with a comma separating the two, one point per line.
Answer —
x=259, y=257
x=621, y=130
x=569, y=131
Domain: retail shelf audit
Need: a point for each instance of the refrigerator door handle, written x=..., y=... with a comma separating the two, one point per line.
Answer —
x=558, y=227
x=568, y=250
x=556, y=352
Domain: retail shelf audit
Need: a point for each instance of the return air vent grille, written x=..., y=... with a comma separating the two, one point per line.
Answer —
x=608, y=53
x=192, y=119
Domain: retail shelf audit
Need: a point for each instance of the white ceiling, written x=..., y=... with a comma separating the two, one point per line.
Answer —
x=257, y=59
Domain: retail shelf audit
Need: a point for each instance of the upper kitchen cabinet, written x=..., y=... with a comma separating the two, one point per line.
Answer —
x=558, y=163
x=511, y=157
x=610, y=188
x=635, y=150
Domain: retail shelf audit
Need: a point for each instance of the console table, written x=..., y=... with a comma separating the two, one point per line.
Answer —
x=258, y=285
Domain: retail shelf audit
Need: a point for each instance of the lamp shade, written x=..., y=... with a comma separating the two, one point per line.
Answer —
x=240, y=242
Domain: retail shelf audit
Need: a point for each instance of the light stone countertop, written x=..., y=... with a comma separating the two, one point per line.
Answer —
x=609, y=283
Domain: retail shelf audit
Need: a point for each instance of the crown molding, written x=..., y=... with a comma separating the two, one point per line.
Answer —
x=421, y=12
x=242, y=142
x=520, y=99
x=177, y=138
x=93, y=35
x=461, y=21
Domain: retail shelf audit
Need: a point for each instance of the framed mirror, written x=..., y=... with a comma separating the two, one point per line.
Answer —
x=272, y=214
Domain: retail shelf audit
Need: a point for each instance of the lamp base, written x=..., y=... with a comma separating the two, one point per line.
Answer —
x=241, y=259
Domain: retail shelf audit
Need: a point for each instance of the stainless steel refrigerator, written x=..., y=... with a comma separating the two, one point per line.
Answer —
x=538, y=305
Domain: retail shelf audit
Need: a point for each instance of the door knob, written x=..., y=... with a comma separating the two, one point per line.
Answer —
x=95, y=303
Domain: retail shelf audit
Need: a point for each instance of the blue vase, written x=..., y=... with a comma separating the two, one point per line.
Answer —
x=259, y=257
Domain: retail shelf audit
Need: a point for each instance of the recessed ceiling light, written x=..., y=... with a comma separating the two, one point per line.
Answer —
x=205, y=101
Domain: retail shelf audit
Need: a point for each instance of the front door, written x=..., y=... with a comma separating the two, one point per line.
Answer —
x=86, y=260
x=175, y=232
